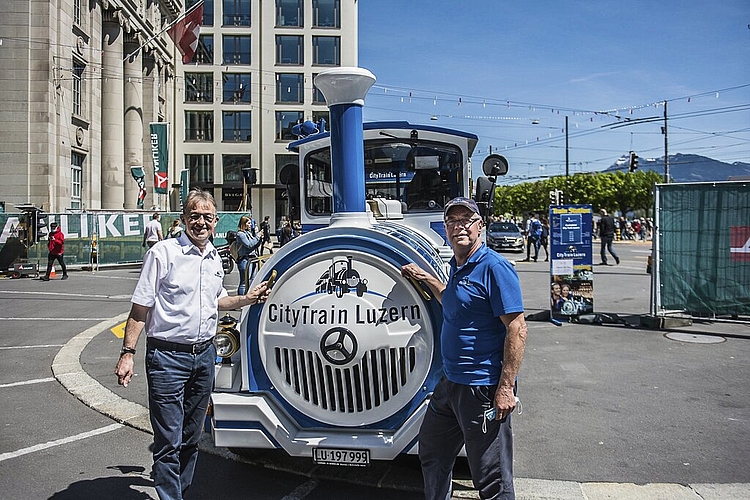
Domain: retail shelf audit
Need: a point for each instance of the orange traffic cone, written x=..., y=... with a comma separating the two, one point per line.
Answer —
x=52, y=273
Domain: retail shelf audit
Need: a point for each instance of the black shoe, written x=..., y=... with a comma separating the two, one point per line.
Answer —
x=65, y=276
x=44, y=278
x=534, y=260
x=602, y=264
x=525, y=260
x=546, y=260
x=617, y=259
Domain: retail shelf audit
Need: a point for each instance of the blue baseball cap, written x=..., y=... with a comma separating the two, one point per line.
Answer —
x=464, y=202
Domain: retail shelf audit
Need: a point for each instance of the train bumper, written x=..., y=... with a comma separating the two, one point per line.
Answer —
x=256, y=421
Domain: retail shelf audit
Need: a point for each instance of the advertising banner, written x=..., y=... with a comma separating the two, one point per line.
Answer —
x=111, y=237
x=160, y=156
x=571, y=261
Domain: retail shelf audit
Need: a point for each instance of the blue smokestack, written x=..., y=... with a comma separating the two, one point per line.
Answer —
x=344, y=90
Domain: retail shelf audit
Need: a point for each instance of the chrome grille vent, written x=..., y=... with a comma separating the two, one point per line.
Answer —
x=367, y=385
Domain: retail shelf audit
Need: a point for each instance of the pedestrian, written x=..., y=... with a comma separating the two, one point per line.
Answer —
x=607, y=236
x=56, y=247
x=179, y=293
x=247, y=251
x=265, y=226
x=152, y=232
x=544, y=238
x=288, y=233
x=533, y=237
x=482, y=341
x=175, y=230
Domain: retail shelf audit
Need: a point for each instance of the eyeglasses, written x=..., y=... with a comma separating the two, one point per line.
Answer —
x=209, y=218
x=465, y=223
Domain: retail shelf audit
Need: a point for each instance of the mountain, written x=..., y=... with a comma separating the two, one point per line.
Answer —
x=688, y=168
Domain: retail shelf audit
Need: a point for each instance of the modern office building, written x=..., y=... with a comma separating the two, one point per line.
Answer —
x=249, y=83
x=82, y=80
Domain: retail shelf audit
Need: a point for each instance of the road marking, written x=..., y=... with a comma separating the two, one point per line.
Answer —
x=27, y=382
x=59, y=442
x=119, y=330
x=54, y=319
x=302, y=490
x=6, y=348
x=59, y=294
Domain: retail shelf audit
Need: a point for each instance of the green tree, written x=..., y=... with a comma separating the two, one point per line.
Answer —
x=611, y=190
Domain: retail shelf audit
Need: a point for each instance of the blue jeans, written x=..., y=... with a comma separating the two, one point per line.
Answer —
x=246, y=275
x=179, y=388
x=454, y=419
x=607, y=245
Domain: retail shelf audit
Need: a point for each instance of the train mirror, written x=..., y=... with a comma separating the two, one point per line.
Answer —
x=495, y=165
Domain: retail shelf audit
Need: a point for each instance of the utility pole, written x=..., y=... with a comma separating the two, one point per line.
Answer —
x=666, y=150
x=567, y=154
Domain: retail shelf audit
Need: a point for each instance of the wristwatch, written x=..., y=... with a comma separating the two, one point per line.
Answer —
x=127, y=350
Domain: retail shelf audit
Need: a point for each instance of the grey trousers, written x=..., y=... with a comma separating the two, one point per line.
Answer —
x=454, y=419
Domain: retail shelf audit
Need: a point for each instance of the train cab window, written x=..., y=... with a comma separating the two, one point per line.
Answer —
x=422, y=175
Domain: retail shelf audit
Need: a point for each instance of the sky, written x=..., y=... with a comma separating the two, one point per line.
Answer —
x=511, y=72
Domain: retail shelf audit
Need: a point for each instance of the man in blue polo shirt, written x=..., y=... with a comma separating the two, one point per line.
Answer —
x=483, y=340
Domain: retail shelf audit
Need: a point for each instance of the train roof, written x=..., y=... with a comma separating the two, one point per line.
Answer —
x=472, y=138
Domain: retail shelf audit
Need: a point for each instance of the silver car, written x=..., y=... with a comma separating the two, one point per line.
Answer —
x=504, y=236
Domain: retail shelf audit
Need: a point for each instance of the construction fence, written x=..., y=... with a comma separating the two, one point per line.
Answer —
x=701, y=264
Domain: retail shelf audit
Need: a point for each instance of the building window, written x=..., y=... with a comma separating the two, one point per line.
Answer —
x=77, y=9
x=285, y=120
x=78, y=90
x=236, y=126
x=318, y=97
x=76, y=179
x=326, y=13
x=236, y=13
x=208, y=11
x=201, y=169
x=324, y=115
x=236, y=49
x=204, y=54
x=290, y=50
x=290, y=88
x=289, y=13
x=199, y=87
x=199, y=126
x=326, y=51
x=233, y=165
x=236, y=88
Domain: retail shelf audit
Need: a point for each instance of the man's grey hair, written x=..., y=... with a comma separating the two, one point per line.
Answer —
x=195, y=197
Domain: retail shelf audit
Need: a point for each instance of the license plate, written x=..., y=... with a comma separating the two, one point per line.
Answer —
x=340, y=456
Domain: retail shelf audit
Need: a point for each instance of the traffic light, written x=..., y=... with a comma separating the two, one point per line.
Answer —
x=633, y=162
x=556, y=197
x=250, y=175
x=38, y=224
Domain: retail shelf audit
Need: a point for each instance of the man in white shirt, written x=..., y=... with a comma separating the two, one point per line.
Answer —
x=177, y=299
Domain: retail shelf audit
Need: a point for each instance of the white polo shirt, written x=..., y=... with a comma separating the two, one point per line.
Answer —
x=182, y=288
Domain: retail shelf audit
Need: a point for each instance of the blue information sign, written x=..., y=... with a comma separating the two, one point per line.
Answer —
x=571, y=261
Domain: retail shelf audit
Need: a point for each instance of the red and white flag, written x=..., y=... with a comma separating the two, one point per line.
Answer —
x=160, y=180
x=185, y=32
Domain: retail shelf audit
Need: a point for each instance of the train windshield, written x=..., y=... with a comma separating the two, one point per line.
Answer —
x=422, y=175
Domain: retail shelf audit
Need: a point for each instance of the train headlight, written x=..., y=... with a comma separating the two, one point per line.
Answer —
x=227, y=339
x=227, y=342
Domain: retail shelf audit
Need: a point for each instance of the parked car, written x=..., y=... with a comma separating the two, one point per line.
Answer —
x=504, y=236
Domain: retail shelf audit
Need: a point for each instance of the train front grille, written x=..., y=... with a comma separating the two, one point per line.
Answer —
x=369, y=384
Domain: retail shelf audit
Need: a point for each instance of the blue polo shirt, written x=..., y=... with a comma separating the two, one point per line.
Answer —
x=473, y=336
